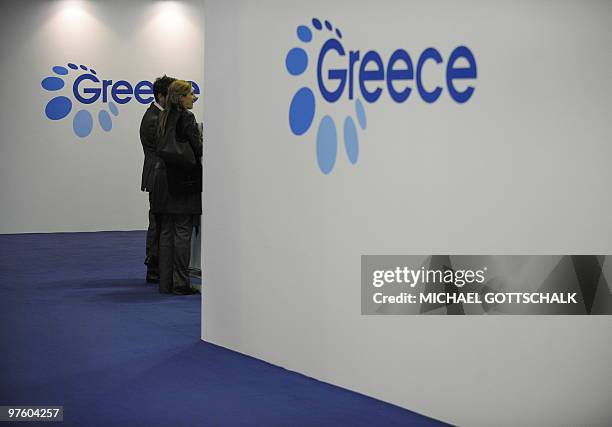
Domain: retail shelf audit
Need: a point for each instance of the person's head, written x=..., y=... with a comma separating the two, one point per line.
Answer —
x=160, y=89
x=180, y=94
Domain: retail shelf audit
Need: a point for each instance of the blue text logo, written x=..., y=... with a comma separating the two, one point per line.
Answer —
x=352, y=75
x=89, y=89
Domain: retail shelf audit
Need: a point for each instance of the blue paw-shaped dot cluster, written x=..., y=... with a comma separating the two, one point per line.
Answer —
x=60, y=107
x=303, y=106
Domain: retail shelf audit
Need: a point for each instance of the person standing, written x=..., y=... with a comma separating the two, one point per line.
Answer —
x=148, y=139
x=177, y=195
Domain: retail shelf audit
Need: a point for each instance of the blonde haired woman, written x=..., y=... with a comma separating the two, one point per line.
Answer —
x=177, y=198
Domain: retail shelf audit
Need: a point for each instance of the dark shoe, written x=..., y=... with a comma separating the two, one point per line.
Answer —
x=183, y=291
x=152, y=277
x=164, y=290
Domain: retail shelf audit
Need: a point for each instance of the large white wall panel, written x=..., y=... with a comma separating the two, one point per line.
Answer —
x=521, y=168
x=53, y=180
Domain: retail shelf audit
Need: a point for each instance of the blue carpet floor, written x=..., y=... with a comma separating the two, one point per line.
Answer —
x=80, y=328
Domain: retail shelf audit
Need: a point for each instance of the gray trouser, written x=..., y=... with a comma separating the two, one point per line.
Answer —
x=174, y=251
x=152, y=248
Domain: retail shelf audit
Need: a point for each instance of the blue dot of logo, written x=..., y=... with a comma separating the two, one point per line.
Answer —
x=105, y=120
x=351, y=142
x=301, y=111
x=52, y=83
x=60, y=70
x=316, y=23
x=304, y=33
x=58, y=108
x=327, y=145
x=296, y=61
x=113, y=108
x=82, y=123
x=361, y=116
x=328, y=25
x=339, y=33
x=73, y=66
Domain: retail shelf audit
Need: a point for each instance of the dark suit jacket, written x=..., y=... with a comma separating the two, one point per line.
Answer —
x=148, y=139
x=187, y=132
x=179, y=191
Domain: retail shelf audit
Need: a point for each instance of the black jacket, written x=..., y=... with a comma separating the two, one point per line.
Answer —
x=182, y=181
x=148, y=139
x=179, y=191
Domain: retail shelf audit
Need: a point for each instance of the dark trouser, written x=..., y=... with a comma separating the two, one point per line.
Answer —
x=152, y=248
x=174, y=251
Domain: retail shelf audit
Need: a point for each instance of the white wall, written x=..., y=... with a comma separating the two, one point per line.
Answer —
x=53, y=180
x=522, y=168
